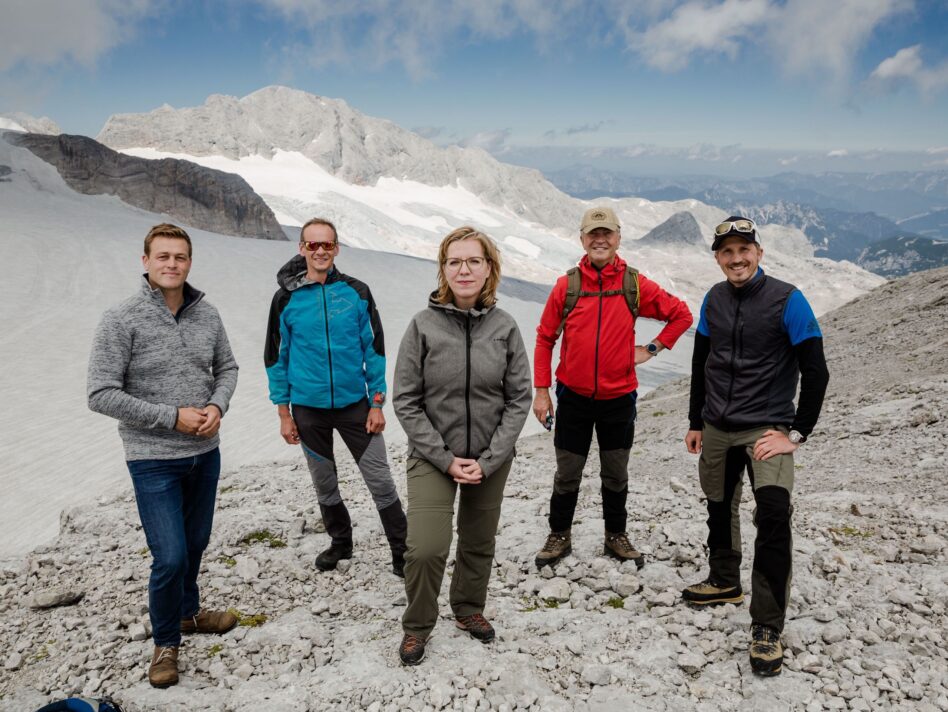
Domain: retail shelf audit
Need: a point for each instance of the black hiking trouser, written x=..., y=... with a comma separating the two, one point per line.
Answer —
x=614, y=422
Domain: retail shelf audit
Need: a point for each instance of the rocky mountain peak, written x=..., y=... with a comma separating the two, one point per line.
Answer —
x=680, y=229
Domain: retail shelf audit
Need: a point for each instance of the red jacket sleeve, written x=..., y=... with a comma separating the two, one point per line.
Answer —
x=546, y=335
x=656, y=303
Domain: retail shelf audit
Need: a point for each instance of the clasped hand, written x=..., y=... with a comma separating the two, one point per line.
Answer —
x=465, y=471
x=203, y=422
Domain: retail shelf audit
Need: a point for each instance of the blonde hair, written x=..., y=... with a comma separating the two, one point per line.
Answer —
x=319, y=221
x=166, y=230
x=488, y=295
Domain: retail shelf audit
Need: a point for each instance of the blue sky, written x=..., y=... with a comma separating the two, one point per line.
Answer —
x=699, y=86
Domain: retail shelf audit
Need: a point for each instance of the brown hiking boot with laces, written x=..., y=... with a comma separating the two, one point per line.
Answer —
x=163, y=671
x=619, y=547
x=412, y=649
x=206, y=621
x=477, y=625
x=558, y=545
x=766, y=651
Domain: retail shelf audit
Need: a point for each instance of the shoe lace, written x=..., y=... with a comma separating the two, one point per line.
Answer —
x=475, y=620
x=411, y=643
x=621, y=540
x=765, y=637
x=165, y=652
x=552, y=541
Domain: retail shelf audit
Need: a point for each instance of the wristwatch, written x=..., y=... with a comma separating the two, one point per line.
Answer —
x=651, y=347
x=796, y=437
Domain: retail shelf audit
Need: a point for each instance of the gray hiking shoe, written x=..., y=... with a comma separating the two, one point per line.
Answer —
x=558, y=545
x=712, y=593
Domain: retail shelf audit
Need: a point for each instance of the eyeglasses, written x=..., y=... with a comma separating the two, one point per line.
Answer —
x=313, y=245
x=473, y=263
x=745, y=226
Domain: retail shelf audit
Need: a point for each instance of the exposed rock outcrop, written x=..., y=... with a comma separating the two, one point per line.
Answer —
x=186, y=192
x=680, y=229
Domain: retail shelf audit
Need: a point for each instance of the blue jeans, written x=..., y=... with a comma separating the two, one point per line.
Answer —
x=176, y=505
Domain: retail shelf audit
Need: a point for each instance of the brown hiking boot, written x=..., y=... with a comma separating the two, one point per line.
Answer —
x=163, y=671
x=477, y=625
x=412, y=649
x=618, y=546
x=766, y=652
x=558, y=545
x=711, y=593
x=206, y=621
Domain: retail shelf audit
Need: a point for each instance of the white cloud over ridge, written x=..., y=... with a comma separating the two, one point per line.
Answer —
x=47, y=32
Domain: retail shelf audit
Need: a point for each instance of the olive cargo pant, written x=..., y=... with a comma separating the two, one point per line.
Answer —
x=724, y=456
x=431, y=495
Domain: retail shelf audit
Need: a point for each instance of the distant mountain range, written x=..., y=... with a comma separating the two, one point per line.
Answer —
x=842, y=214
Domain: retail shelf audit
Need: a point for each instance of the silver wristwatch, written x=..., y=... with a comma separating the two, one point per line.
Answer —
x=651, y=347
x=796, y=437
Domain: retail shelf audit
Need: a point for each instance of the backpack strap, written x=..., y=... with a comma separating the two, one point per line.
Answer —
x=573, y=289
x=630, y=290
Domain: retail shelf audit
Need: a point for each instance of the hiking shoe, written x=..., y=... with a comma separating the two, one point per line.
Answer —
x=558, y=545
x=163, y=671
x=398, y=565
x=618, y=547
x=711, y=593
x=205, y=621
x=412, y=649
x=477, y=625
x=327, y=560
x=766, y=652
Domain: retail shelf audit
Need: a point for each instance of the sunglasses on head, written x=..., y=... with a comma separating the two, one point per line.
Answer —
x=313, y=245
x=744, y=226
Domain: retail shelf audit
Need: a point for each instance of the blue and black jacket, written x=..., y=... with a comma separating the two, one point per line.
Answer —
x=325, y=347
x=751, y=344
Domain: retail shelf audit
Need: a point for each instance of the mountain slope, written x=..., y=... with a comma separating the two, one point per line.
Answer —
x=390, y=190
x=186, y=192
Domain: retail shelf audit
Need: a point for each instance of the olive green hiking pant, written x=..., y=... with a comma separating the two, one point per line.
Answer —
x=431, y=495
x=724, y=457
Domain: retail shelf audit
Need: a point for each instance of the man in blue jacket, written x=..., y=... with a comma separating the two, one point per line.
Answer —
x=325, y=358
x=756, y=337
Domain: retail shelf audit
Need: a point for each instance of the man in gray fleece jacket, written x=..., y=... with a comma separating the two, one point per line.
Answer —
x=162, y=366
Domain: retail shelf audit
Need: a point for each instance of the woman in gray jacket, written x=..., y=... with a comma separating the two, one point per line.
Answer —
x=462, y=393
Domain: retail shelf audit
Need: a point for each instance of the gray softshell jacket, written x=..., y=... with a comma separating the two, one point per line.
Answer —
x=462, y=385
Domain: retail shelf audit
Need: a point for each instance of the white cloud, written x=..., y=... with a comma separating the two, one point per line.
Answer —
x=789, y=161
x=838, y=153
x=936, y=150
x=699, y=26
x=907, y=67
x=490, y=141
x=46, y=32
x=414, y=34
x=819, y=37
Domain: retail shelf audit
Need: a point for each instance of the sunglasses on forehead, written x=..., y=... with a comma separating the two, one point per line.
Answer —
x=744, y=226
x=313, y=245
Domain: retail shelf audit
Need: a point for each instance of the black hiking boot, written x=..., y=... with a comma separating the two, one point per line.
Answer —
x=339, y=527
x=396, y=531
x=412, y=649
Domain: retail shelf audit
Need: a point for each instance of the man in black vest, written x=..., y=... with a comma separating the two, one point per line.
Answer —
x=755, y=335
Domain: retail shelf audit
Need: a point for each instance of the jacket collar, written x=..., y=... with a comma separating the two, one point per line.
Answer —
x=292, y=275
x=191, y=295
x=617, y=266
x=476, y=311
x=751, y=287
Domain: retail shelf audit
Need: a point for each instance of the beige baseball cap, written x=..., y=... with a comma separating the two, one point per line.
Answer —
x=599, y=217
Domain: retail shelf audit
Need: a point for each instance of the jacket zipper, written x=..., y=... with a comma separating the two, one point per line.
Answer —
x=734, y=334
x=332, y=397
x=598, y=328
x=467, y=384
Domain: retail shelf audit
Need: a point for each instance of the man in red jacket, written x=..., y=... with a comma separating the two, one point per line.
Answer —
x=595, y=381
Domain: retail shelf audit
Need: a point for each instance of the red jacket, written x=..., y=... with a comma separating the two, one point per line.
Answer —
x=597, y=356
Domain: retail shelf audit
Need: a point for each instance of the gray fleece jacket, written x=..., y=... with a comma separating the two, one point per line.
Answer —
x=462, y=385
x=145, y=364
